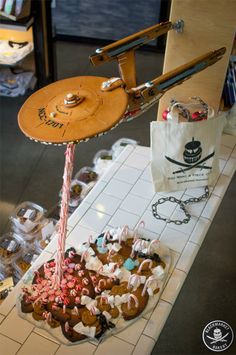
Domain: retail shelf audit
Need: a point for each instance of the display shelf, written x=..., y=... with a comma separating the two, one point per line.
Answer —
x=20, y=25
x=91, y=217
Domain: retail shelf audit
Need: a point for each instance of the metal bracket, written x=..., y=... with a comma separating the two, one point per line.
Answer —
x=178, y=26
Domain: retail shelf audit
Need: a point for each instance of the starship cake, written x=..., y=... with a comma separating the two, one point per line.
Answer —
x=108, y=282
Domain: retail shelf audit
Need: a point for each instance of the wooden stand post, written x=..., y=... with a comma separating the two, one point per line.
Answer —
x=208, y=25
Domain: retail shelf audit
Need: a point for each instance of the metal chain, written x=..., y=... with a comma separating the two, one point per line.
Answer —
x=182, y=205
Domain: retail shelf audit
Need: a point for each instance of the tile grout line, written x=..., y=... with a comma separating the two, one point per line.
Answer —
x=6, y=336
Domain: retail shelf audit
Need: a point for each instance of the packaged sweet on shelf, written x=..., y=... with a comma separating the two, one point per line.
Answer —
x=86, y=175
x=27, y=216
x=6, y=284
x=119, y=146
x=11, y=246
x=46, y=235
x=102, y=161
x=12, y=52
x=78, y=191
x=25, y=260
x=107, y=283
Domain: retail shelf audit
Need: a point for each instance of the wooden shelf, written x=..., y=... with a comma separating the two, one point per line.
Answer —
x=20, y=25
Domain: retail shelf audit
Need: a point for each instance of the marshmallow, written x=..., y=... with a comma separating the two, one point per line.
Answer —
x=89, y=331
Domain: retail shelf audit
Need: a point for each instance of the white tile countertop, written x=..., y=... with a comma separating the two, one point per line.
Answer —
x=124, y=195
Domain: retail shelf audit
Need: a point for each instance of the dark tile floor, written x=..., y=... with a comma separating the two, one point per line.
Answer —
x=31, y=171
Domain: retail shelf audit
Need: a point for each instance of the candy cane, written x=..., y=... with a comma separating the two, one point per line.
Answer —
x=67, y=327
x=97, y=289
x=149, y=280
x=93, y=278
x=102, y=281
x=70, y=151
x=104, y=298
x=111, y=251
x=76, y=311
x=80, y=273
x=141, y=224
x=154, y=241
x=138, y=241
x=84, y=255
x=100, y=269
x=104, y=239
x=114, y=267
x=78, y=266
x=136, y=279
x=85, y=281
x=145, y=262
x=85, y=291
x=135, y=300
x=71, y=254
x=90, y=239
x=124, y=232
x=49, y=317
x=92, y=310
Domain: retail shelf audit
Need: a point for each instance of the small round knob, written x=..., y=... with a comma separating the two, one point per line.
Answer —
x=70, y=96
x=52, y=114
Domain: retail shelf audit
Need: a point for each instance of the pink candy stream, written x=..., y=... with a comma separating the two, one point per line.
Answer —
x=68, y=169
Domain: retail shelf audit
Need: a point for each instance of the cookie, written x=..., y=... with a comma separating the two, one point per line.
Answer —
x=114, y=312
x=37, y=317
x=136, y=304
x=54, y=323
x=26, y=305
x=59, y=315
x=88, y=318
x=70, y=334
x=120, y=289
x=39, y=308
x=103, y=304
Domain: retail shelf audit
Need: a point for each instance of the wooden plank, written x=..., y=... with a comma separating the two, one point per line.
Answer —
x=208, y=25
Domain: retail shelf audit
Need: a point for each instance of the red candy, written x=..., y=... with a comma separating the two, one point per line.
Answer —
x=71, y=284
x=196, y=116
x=66, y=301
x=164, y=114
x=67, y=261
x=78, y=287
x=93, y=278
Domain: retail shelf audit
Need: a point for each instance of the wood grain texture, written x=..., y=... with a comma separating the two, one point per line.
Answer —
x=208, y=25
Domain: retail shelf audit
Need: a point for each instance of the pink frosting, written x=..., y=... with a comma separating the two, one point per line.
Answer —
x=85, y=281
x=81, y=273
x=70, y=271
x=78, y=266
x=71, y=284
x=85, y=291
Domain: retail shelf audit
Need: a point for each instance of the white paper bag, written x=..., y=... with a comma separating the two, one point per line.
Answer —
x=185, y=154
